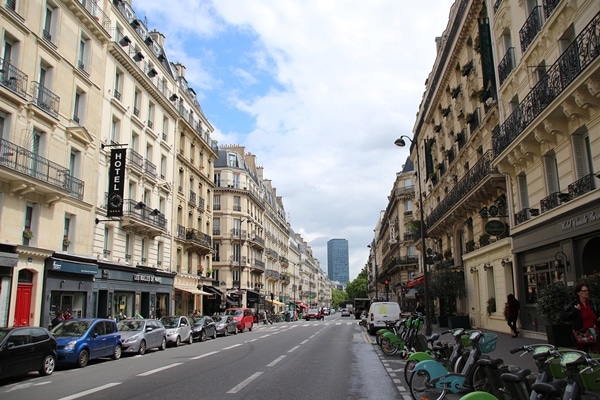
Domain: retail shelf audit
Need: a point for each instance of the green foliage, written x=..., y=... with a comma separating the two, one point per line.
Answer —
x=447, y=282
x=491, y=305
x=338, y=297
x=357, y=288
x=552, y=300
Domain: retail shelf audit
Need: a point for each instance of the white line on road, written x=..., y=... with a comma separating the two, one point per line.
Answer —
x=204, y=355
x=245, y=382
x=304, y=341
x=85, y=393
x=275, y=361
x=231, y=347
x=264, y=336
x=293, y=349
x=159, y=369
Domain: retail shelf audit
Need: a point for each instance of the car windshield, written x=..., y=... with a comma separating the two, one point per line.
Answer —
x=71, y=328
x=3, y=333
x=313, y=311
x=218, y=318
x=170, y=322
x=199, y=321
x=234, y=312
x=131, y=326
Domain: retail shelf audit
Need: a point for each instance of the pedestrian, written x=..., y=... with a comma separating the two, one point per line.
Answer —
x=513, y=307
x=58, y=318
x=583, y=314
x=419, y=309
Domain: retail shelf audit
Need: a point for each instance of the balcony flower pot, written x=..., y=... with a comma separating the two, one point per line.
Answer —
x=28, y=233
x=66, y=241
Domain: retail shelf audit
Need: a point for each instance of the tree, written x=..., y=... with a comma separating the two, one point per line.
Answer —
x=338, y=297
x=358, y=287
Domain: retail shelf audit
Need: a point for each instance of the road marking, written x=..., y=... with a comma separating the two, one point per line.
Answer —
x=91, y=391
x=304, y=341
x=153, y=371
x=245, y=383
x=275, y=361
x=231, y=347
x=204, y=355
x=293, y=349
x=264, y=336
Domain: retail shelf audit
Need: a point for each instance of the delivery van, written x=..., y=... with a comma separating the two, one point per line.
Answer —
x=380, y=312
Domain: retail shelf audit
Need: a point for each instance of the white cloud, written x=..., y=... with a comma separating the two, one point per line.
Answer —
x=349, y=79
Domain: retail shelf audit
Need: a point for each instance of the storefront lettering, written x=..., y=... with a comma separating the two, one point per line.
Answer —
x=147, y=278
x=575, y=222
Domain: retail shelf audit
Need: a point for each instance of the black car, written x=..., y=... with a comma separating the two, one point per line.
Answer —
x=203, y=327
x=226, y=325
x=25, y=349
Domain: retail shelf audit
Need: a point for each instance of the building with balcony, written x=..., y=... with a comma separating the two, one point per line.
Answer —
x=547, y=142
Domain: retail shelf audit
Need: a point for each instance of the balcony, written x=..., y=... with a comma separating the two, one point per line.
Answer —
x=258, y=264
x=480, y=178
x=554, y=200
x=257, y=241
x=198, y=241
x=142, y=220
x=569, y=66
x=51, y=178
x=13, y=79
x=549, y=6
x=135, y=159
x=238, y=234
x=530, y=28
x=272, y=254
x=507, y=64
x=150, y=169
x=192, y=198
x=46, y=100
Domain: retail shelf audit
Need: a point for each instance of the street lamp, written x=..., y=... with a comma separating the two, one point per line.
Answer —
x=374, y=249
x=400, y=142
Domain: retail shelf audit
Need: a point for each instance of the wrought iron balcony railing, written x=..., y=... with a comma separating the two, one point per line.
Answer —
x=497, y=5
x=135, y=159
x=553, y=201
x=196, y=236
x=192, y=198
x=13, y=78
x=507, y=64
x=582, y=186
x=461, y=190
x=46, y=99
x=530, y=28
x=28, y=163
x=145, y=214
x=574, y=60
x=549, y=6
x=150, y=168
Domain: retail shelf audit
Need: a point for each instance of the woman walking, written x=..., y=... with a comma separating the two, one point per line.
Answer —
x=513, y=307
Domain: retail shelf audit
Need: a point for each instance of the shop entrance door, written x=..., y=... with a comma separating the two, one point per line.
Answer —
x=23, y=306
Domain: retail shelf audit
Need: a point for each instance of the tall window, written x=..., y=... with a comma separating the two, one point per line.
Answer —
x=582, y=150
x=159, y=254
x=79, y=107
x=48, y=30
x=551, y=172
x=216, y=202
x=114, y=130
x=523, y=194
x=106, y=244
x=28, y=223
x=237, y=203
x=128, y=247
x=83, y=57
x=67, y=234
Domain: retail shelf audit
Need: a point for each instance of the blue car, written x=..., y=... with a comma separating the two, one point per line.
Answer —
x=81, y=340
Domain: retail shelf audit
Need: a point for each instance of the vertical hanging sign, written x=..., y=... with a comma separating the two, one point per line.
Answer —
x=116, y=182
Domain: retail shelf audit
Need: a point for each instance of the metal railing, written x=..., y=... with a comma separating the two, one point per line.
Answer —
x=35, y=166
x=13, y=78
x=530, y=28
x=506, y=65
x=46, y=99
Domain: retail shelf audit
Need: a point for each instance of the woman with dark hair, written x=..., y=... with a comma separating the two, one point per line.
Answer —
x=583, y=313
x=513, y=307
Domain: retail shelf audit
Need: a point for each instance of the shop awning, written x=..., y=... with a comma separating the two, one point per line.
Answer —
x=193, y=291
x=302, y=305
x=275, y=302
x=417, y=281
x=214, y=290
x=411, y=293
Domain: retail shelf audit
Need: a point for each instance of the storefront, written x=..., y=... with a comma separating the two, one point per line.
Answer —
x=8, y=261
x=213, y=303
x=561, y=249
x=68, y=286
x=122, y=291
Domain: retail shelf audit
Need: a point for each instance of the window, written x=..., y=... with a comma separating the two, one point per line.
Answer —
x=216, y=226
x=217, y=179
x=216, y=251
x=236, y=181
x=106, y=245
x=115, y=128
x=28, y=223
x=83, y=56
x=136, y=102
x=128, y=247
x=551, y=172
x=150, y=115
x=217, y=202
x=49, y=23
x=582, y=152
x=232, y=160
x=159, y=253
x=523, y=194
x=67, y=237
x=118, y=88
x=237, y=203
x=79, y=107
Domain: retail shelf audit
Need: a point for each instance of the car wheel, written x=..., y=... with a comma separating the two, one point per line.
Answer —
x=163, y=344
x=214, y=336
x=142, y=349
x=235, y=332
x=178, y=342
x=251, y=326
x=117, y=352
x=191, y=339
x=83, y=358
x=203, y=336
x=49, y=365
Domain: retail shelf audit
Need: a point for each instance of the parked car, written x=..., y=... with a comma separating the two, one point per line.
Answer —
x=225, y=324
x=346, y=312
x=243, y=316
x=312, y=313
x=179, y=329
x=138, y=335
x=203, y=328
x=26, y=349
x=81, y=340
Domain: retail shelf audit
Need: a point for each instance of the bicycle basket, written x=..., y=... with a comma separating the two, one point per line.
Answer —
x=555, y=369
x=487, y=343
x=466, y=340
x=591, y=377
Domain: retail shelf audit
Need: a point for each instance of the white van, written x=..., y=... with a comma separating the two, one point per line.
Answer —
x=380, y=312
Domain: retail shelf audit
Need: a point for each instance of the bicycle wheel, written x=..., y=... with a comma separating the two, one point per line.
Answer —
x=479, y=381
x=378, y=338
x=421, y=387
x=388, y=348
x=408, y=370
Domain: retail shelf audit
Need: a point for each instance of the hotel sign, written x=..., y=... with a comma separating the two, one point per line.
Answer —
x=147, y=278
x=587, y=218
x=116, y=183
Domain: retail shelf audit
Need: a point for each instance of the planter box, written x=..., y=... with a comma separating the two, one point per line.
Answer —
x=459, y=322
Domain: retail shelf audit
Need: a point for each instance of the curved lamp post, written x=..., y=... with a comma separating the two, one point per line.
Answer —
x=400, y=142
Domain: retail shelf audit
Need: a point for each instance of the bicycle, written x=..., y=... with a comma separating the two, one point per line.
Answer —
x=405, y=342
x=431, y=380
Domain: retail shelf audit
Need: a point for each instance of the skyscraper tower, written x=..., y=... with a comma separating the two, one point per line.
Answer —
x=338, y=268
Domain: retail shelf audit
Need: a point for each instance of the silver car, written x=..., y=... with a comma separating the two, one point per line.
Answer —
x=179, y=329
x=139, y=335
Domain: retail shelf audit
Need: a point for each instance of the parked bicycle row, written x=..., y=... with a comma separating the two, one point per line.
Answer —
x=464, y=366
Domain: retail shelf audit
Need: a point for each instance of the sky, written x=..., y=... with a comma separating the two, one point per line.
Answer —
x=318, y=90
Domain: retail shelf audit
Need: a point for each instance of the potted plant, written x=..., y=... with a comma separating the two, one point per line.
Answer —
x=209, y=271
x=551, y=302
x=491, y=305
x=28, y=233
x=470, y=245
x=66, y=241
x=484, y=239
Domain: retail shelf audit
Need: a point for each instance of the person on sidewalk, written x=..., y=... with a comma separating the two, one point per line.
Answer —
x=584, y=315
x=513, y=307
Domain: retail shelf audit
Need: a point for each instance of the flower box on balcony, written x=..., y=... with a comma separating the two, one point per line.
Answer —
x=28, y=233
x=66, y=241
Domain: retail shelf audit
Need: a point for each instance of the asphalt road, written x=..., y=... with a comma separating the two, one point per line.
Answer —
x=331, y=359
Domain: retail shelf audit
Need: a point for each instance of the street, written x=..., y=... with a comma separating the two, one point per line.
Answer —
x=331, y=359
